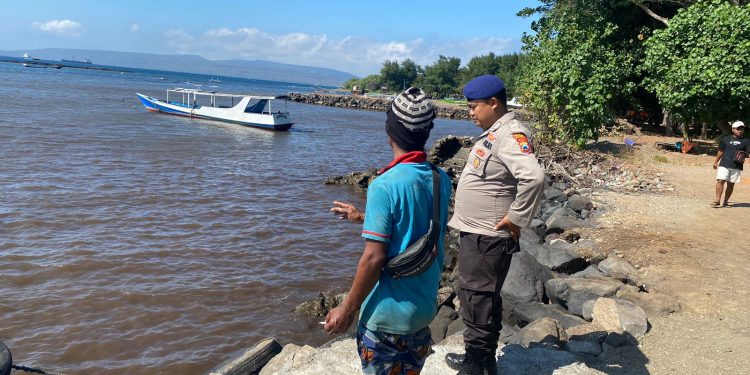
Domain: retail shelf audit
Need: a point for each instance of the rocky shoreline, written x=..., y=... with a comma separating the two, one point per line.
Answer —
x=370, y=103
x=571, y=306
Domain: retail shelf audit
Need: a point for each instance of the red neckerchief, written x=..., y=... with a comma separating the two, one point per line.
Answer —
x=409, y=157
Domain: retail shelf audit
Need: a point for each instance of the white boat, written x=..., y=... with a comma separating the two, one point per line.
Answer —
x=26, y=56
x=73, y=60
x=33, y=65
x=249, y=110
x=513, y=103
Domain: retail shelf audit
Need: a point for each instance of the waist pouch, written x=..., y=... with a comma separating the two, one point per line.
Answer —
x=420, y=255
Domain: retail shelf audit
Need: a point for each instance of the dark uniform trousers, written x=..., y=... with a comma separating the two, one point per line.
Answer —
x=483, y=263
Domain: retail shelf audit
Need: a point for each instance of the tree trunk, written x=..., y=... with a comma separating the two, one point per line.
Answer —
x=724, y=127
x=683, y=130
x=651, y=13
x=667, y=123
x=704, y=131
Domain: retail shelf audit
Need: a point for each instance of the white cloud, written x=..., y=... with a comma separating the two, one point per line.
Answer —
x=356, y=55
x=61, y=27
x=134, y=28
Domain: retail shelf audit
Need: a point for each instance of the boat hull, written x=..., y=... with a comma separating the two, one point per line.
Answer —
x=265, y=121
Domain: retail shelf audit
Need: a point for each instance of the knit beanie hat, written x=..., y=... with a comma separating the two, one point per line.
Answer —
x=409, y=119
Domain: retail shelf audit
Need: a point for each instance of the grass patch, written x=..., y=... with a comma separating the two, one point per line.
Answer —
x=452, y=101
x=660, y=158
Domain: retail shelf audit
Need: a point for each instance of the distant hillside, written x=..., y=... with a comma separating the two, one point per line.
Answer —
x=255, y=69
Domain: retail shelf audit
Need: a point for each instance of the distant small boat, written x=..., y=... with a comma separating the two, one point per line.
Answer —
x=26, y=56
x=32, y=65
x=73, y=60
x=254, y=111
x=214, y=79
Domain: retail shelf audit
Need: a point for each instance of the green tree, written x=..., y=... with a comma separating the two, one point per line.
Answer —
x=480, y=65
x=410, y=71
x=398, y=76
x=441, y=78
x=371, y=82
x=579, y=63
x=503, y=66
x=699, y=66
x=391, y=75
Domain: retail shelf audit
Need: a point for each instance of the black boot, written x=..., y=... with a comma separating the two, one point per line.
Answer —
x=471, y=363
x=454, y=360
x=490, y=364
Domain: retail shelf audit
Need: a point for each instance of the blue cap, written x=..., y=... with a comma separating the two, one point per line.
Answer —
x=483, y=87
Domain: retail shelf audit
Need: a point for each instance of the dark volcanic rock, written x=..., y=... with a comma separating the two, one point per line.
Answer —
x=321, y=306
x=560, y=221
x=572, y=292
x=620, y=269
x=579, y=203
x=555, y=257
x=526, y=278
x=440, y=323
x=527, y=312
x=544, y=332
x=359, y=180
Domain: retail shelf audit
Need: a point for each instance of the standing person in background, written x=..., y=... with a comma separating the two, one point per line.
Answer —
x=499, y=192
x=393, y=336
x=729, y=163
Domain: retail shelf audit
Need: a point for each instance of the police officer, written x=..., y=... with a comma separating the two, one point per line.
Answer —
x=499, y=192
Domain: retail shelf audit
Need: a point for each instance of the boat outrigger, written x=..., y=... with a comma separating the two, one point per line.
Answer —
x=255, y=111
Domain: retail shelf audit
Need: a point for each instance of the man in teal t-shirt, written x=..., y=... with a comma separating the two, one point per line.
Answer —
x=393, y=335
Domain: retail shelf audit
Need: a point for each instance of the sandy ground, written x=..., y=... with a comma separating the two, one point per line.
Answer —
x=685, y=248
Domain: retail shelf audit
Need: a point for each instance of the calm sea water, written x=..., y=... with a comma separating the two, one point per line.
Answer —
x=141, y=243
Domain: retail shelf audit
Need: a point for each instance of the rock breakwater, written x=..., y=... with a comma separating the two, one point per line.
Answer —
x=371, y=104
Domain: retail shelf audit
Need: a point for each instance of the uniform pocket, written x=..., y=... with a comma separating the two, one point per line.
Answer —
x=476, y=307
x=480, y=260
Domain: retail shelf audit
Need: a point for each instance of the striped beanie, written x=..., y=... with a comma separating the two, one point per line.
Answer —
x=413, y=109
x=410, y=119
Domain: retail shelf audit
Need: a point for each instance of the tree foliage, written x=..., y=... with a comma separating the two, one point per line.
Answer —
x=699, y=66
x=441, y=78
x=503, y=66
x=398, y=76
x=580, y=64
x=370, y=83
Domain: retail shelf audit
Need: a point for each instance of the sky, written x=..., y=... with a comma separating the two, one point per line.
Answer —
x=351, y=36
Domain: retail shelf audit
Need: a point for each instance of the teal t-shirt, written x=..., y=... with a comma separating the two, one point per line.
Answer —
x=398, y=211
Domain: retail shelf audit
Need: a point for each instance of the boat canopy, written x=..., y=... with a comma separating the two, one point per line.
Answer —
x=223, y=95
x=257, y=107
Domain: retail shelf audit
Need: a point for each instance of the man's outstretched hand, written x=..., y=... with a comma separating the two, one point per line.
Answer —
x=347, y=211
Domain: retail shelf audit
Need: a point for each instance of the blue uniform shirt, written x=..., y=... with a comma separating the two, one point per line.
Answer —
x=398, y=211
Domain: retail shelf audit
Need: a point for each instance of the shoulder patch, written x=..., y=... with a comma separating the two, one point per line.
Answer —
x=523, y=143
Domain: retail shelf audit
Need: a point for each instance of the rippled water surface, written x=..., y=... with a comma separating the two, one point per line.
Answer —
x=141, y=243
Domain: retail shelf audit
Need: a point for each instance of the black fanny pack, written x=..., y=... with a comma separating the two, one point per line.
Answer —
x=739, y=157
x=418, y=257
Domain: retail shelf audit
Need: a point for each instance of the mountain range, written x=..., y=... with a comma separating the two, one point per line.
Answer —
x=253, y=69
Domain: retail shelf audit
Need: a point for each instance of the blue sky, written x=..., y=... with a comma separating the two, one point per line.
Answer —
x=346, y=35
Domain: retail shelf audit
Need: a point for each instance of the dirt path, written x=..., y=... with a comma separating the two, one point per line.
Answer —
x=698, y=254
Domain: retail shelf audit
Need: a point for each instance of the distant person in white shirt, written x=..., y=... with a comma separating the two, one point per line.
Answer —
x=733, y=150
